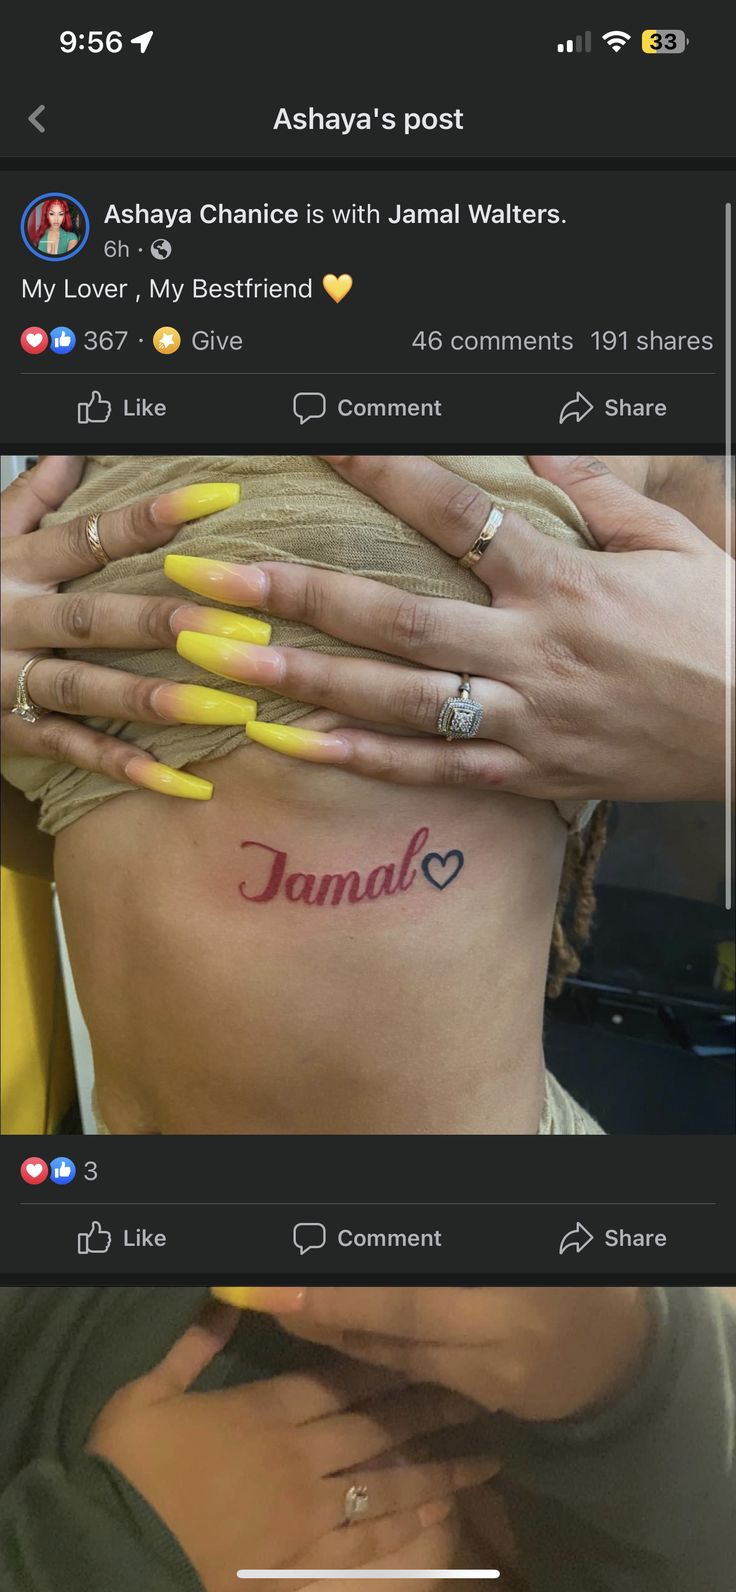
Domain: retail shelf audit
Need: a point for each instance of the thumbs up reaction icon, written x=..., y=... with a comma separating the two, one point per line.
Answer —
x=63, y=1170
x=96, y=1242
x=95, y=411
x=63, y=340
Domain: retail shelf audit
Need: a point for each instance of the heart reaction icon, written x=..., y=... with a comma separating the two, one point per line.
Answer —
x=34, y=1170
x=34, y=340
x=337, y=286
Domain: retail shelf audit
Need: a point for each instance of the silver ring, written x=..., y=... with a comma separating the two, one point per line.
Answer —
x=93, y=541
x=460, y=716
x=25, y=707
x=493, y=524
x=355, y=1503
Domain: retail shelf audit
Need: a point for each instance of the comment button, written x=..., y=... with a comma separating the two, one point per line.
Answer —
x=309, y=1235
x=309, y=406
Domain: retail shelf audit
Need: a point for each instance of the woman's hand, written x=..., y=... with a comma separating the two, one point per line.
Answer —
x=597, y=676
x=256, y=1476
x=537, y=1353
x=36, y=618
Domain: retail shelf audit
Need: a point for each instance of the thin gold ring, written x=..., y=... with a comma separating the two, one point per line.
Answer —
x=492, y=525
x=93, y=541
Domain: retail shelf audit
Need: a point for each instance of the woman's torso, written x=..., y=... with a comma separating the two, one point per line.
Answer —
x=57, y=244
x=210, y=1011
x=419, y=1009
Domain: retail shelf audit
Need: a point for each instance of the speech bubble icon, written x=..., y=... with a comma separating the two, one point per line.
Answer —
x=309, y=1235
x=309, y=406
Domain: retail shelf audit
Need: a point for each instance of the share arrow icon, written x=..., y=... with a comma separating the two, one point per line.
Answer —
x=576, y=408
x=578, y=1238
x=144, y=40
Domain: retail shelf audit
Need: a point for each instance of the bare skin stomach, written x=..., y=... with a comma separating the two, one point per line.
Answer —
x=312, y=952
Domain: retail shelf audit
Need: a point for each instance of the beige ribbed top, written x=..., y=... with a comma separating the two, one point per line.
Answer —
x=292, y=507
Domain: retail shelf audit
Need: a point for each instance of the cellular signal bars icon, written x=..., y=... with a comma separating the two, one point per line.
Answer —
x=580, y=45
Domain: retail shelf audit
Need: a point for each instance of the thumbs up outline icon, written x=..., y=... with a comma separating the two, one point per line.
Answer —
x=96, y=1242
x=95, y=411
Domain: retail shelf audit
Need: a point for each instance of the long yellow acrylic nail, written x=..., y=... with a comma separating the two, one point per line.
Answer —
x=219, y=622
x=274, y=1301
x=197, y=704
x=193, y=502
x=216, y=653
x=311, y=745
x=244, y=584
x=168, y=781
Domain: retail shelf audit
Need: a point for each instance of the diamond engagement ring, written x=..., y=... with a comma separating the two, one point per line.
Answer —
x=460, y=716
x=24, y=705
x=355, y=1504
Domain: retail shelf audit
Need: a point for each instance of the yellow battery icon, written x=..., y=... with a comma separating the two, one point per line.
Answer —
x=664, y=41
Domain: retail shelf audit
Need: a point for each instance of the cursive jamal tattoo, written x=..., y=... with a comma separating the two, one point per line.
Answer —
x=267, y=876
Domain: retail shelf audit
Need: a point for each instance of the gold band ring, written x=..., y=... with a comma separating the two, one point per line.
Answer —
x=493, y=524
x=93, y=541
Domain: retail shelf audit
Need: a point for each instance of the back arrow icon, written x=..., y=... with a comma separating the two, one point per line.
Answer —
x=33, y=119
x=579, y=407
x=578, y=1238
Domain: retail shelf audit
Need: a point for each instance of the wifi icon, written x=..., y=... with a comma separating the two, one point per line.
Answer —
x=616, y=39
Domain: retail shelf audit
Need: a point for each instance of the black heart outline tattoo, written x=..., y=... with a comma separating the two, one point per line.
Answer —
x=442, y=861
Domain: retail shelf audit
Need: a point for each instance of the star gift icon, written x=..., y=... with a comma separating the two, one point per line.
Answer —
x=166, y=339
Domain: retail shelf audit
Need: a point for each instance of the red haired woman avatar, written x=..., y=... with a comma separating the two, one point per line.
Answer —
x=50, y=227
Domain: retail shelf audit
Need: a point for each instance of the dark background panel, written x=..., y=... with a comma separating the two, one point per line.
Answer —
x=614, y=262
x=212, y=83
x=501, y=1207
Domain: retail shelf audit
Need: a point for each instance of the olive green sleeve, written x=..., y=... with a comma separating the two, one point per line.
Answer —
x=83, y=1526
x=638, y=1496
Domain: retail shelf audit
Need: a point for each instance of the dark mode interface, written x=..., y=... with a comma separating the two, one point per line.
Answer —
x=423, y=318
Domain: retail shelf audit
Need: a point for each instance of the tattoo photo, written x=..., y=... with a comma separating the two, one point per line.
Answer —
x=268, y=876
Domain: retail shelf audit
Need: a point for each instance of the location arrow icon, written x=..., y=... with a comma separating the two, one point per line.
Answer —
x=578, y=1238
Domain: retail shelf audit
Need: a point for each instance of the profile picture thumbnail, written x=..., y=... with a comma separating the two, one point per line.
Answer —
x=54, y=225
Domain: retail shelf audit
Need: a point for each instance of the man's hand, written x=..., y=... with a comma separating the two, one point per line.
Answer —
x=537, y=1353
x=255, y=1476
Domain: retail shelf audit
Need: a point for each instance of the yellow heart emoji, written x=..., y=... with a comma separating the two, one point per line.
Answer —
x=337, y=286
